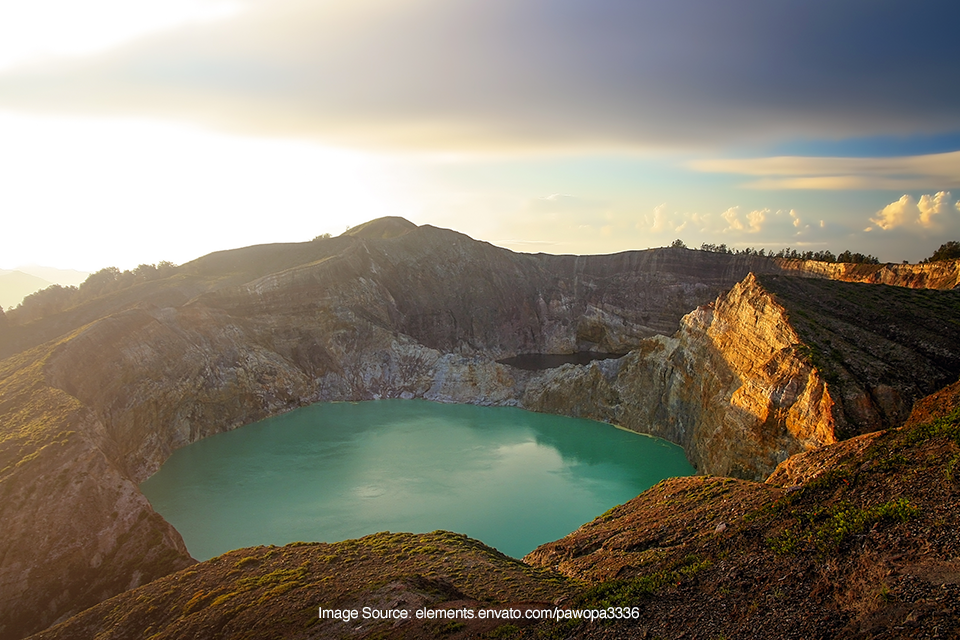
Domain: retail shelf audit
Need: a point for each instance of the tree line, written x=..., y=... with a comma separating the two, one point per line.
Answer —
x=57, y=298
x=947, y=251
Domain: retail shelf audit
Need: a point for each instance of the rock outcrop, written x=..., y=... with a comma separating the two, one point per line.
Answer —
x=935, y=275
x=96, y=397
x=745, y=383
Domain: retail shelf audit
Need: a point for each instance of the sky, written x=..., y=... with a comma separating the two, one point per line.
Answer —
x=134, y=131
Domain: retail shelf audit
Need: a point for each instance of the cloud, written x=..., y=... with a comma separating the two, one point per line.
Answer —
x=659, y=220
x=732, y=217
x=781, y=224
x=509, y=74
x=797, y=172
x=907, y=212
x=753, y=223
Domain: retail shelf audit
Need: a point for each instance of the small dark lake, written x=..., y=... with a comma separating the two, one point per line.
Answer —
x=539, y=361
x=511, y=478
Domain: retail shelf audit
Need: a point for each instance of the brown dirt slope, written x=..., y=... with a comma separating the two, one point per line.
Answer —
x=868, y=547
x=54, y=559
x=275, y=592
x=935, y=406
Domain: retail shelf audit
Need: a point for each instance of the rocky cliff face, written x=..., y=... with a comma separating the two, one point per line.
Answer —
x=732, y=387
x=879, y=347
x=528, y=303
x=772, y=368
x=936, y=275
x=390, y=310
x=76, y=529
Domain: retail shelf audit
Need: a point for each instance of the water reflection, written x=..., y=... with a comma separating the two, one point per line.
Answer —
x=327, y=472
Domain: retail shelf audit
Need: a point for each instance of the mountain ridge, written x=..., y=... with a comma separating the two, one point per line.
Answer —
x=105, y=391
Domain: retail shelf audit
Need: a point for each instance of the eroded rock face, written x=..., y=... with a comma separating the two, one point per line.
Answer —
x=879, y=347
x=742, y=389
x=936, y=275
x=76, y=530
x=731, y=388
x=383, y=313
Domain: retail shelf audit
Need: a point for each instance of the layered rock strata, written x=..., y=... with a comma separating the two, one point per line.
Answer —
x=935, y=275
x=732, y=387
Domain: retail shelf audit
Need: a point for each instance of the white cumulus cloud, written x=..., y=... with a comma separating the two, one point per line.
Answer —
x=753, y=223
x=909, y=212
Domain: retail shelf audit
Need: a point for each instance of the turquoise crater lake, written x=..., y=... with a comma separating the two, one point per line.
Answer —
x=332, y=471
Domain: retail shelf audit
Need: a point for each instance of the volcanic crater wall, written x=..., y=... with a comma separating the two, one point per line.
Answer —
x=420, y=313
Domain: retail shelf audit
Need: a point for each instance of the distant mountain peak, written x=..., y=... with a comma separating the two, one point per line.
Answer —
x=15, y=285
x=382, y=228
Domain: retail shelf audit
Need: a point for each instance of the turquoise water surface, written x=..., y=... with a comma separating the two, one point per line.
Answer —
x=332, y=471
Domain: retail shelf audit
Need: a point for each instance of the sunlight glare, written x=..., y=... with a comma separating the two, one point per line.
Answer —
x=43, y=28
x=149, y=191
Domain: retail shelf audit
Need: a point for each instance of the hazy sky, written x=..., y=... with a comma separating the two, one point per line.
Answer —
x=142, y=130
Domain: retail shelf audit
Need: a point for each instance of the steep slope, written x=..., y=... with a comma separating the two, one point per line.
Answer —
x=75, y=527
x=611, y=300
x=880, y=347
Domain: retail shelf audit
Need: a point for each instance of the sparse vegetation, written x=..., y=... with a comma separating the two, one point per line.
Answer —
x=627, y=593
x=947, y=426
x=828, y=528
